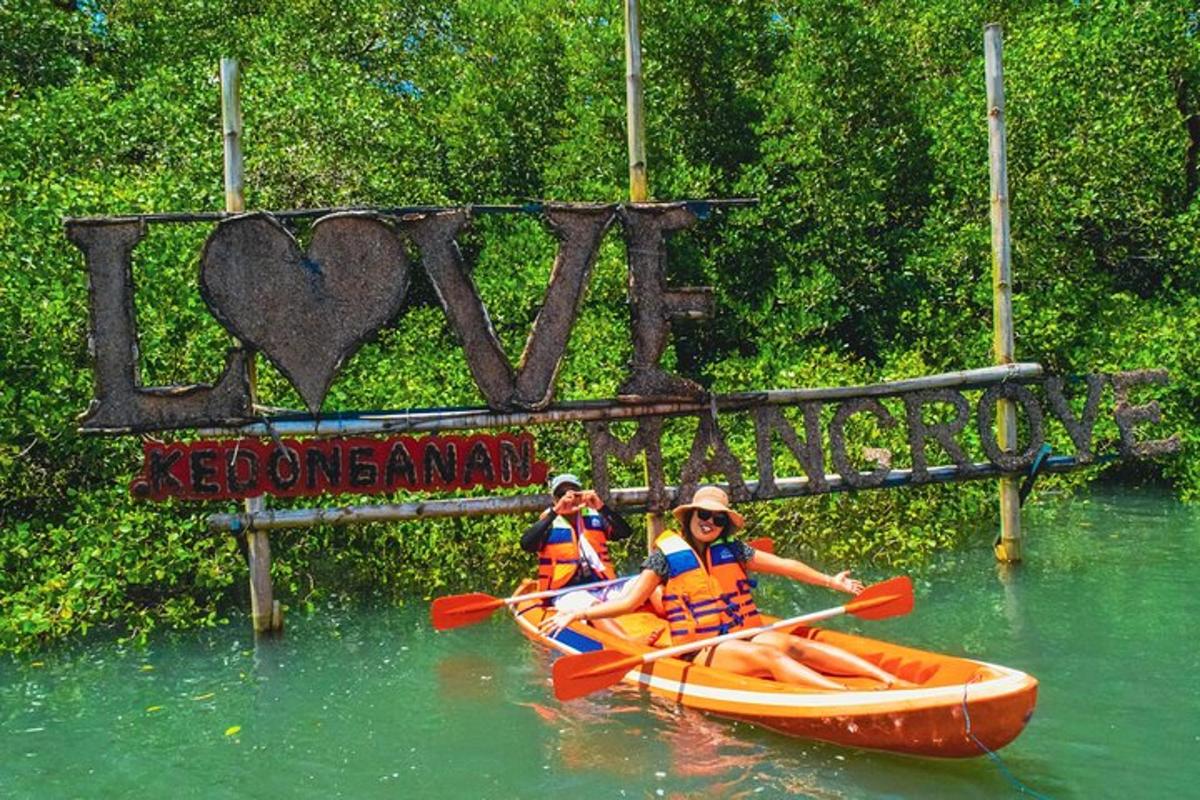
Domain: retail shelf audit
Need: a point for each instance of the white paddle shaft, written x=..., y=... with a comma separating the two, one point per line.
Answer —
x=520, y=598
x=745, y=633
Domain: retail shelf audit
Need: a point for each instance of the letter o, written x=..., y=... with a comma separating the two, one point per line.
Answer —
x=278, y=455
x=1015, y=392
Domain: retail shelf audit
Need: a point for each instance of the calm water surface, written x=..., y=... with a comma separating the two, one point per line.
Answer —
x=376, y=704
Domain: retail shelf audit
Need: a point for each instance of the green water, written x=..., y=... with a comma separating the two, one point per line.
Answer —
x=372, y=703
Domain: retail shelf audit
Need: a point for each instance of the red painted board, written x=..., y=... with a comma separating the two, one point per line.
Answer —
x=236, y=469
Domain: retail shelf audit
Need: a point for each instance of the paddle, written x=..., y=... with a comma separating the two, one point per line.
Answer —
x=578, y=675
x=457, y=610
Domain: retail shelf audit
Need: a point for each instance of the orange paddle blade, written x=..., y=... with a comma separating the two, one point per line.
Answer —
x=575, y=676
x=462, y=609
x=764, y=543
x=890, y=598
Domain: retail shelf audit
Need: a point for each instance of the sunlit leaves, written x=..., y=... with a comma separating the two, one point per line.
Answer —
x=860, y=126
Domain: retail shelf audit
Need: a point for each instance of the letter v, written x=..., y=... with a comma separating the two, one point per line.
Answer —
x=579, y=230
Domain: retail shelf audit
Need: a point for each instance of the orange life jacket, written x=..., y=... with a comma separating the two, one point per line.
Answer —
x=560, y=556
x=705, y=598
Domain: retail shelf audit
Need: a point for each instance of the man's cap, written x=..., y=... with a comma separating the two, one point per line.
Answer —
x=562, y=480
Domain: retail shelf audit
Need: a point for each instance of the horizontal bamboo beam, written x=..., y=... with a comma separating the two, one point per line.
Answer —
x=632, y=500
x=353, y=424
x=391, y=211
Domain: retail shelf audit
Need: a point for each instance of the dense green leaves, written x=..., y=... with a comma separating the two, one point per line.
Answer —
x=861, y=126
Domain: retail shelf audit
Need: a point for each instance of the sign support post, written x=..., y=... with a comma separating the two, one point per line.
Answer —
x=639, y=189
x=265, y=612
x=1008, y=548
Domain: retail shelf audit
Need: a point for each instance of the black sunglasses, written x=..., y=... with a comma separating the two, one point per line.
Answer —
x=719, y=518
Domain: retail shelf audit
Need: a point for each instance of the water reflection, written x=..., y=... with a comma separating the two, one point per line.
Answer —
x=1008, y=574
x=707, y=751
x=675, y=751
x=590, y=736
x=468, y=677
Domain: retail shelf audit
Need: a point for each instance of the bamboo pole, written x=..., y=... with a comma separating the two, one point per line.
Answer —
x=595, y=410
x=231, y=129
x=264, y=610
x=698, y=204
x=1008, y=548
x=639, y=187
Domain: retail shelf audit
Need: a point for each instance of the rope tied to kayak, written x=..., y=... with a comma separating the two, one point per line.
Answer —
x=992, y=754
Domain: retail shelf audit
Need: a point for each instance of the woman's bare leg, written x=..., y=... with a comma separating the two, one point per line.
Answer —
x=827, y=658
x=755, y=659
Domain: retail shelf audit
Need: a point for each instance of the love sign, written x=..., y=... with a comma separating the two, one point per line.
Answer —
x=309, y=311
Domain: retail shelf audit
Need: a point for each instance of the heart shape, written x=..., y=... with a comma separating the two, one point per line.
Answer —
x=306, y=312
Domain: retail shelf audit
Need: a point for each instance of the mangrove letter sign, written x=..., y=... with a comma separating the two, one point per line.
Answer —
x=236, y=469
x=809, y=439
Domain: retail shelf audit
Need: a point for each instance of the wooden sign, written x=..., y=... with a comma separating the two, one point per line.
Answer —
x=809, y=438
x=308, y=308
x=241, y=468
x=308, y=311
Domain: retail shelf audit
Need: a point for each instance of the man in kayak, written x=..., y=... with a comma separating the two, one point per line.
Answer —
x=706, y=593
x=571, y=539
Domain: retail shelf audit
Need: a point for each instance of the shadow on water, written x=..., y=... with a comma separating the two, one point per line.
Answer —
x=370, y=702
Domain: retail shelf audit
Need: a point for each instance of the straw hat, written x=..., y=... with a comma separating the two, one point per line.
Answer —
x=713, y=499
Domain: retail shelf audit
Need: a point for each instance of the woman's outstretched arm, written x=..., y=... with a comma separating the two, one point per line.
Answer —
x=798, y=570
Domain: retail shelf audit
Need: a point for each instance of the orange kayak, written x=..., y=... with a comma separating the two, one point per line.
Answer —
x=927, y=719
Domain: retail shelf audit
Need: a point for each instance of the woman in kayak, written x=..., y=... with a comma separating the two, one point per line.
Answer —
x=706, y=593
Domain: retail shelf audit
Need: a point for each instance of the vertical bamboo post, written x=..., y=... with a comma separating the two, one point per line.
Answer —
x=1008, y=548
x=639, y=190
x=231, y=129
x=265, y=612
x=639, y=187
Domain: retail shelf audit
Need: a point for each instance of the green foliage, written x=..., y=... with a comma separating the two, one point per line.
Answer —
x=861, y=126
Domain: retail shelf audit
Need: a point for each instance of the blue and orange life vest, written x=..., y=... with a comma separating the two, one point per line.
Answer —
x=560, y=556
x=705, y=598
